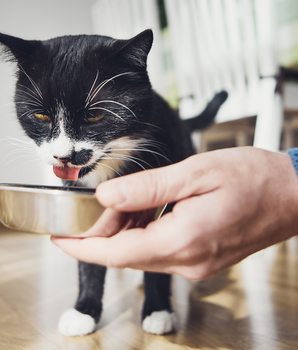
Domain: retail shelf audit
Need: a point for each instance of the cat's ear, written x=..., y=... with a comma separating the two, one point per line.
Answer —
x=135, y=50
x=18, y=49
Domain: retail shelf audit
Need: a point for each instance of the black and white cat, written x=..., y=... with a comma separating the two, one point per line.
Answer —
x=88, y=104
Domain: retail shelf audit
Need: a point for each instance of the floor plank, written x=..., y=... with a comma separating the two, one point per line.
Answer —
x=251, y=306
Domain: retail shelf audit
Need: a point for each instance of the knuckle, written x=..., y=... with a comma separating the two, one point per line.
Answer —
x=196, y=275
x=112, y=261
x=115, y=256
x=156, y=185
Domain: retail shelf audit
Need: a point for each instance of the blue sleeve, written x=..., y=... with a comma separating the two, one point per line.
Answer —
x=293, y=152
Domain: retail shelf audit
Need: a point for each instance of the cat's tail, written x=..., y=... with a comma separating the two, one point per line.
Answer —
x=209, y=113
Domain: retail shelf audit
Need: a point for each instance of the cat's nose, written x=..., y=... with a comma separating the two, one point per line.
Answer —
x=63, y=160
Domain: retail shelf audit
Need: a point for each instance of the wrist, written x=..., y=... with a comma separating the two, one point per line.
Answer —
x=284, y=188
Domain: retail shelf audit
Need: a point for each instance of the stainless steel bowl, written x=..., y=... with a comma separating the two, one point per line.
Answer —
x=48, y=210
x=64, y=211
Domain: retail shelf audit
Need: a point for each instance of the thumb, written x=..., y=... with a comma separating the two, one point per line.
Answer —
x=153, y=188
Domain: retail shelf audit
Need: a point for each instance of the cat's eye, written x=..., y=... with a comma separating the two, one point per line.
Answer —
x=96, y=119
x=42, y=117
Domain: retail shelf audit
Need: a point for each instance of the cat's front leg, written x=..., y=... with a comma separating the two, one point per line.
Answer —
x=157, y=315
x=82, y=319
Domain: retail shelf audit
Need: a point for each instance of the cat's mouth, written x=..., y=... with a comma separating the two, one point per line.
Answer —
x=66, y=172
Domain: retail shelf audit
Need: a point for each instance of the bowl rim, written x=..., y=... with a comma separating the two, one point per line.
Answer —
x=41, y=189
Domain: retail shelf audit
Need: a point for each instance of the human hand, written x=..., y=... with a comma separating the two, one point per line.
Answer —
x=230, y=203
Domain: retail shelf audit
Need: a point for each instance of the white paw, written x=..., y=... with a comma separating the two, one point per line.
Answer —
x=160, y=322
x=73, y=322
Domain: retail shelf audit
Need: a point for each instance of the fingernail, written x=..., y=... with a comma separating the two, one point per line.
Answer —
x=111, y=193
x=54, y=240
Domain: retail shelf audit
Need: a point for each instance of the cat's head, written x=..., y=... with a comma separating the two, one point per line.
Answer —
x=82, y=98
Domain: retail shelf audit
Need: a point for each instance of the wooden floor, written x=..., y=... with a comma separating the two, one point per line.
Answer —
x=253, y=305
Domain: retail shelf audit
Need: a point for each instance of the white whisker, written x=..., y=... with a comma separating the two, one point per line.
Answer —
x=11, y=138
x=102, y=84
x=102, y=164
x=132, y=159
x=14, y=159
x=30, y=161
x=107, y=110
x=155, y=126
x=19, y=147
x=140, y=141
x=18, y=150
x=32, y=103
x=89, y=94
x=118, y=103
x=145, y=150
x=21, y=144
x=32, y=82
x=29, y=112
x=30, y=94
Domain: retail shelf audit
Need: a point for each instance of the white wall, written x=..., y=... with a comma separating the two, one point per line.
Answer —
x=31, y=19
x=123, y=19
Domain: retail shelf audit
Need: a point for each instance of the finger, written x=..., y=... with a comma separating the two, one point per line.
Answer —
x=93, y=250
x=156, y=187
x=122, y=250
x=135, y=248
x=110, y=222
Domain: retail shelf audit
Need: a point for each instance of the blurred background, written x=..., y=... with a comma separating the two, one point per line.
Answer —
x=247, y=47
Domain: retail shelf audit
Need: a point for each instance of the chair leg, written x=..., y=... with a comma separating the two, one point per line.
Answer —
x=269, y=120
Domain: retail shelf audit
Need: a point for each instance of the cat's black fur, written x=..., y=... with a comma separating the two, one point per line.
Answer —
x=74, y=78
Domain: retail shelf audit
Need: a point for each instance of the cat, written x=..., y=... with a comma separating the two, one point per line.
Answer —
x=88, y=104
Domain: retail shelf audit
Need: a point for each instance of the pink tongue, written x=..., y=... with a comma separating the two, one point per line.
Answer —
x=66, y=172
